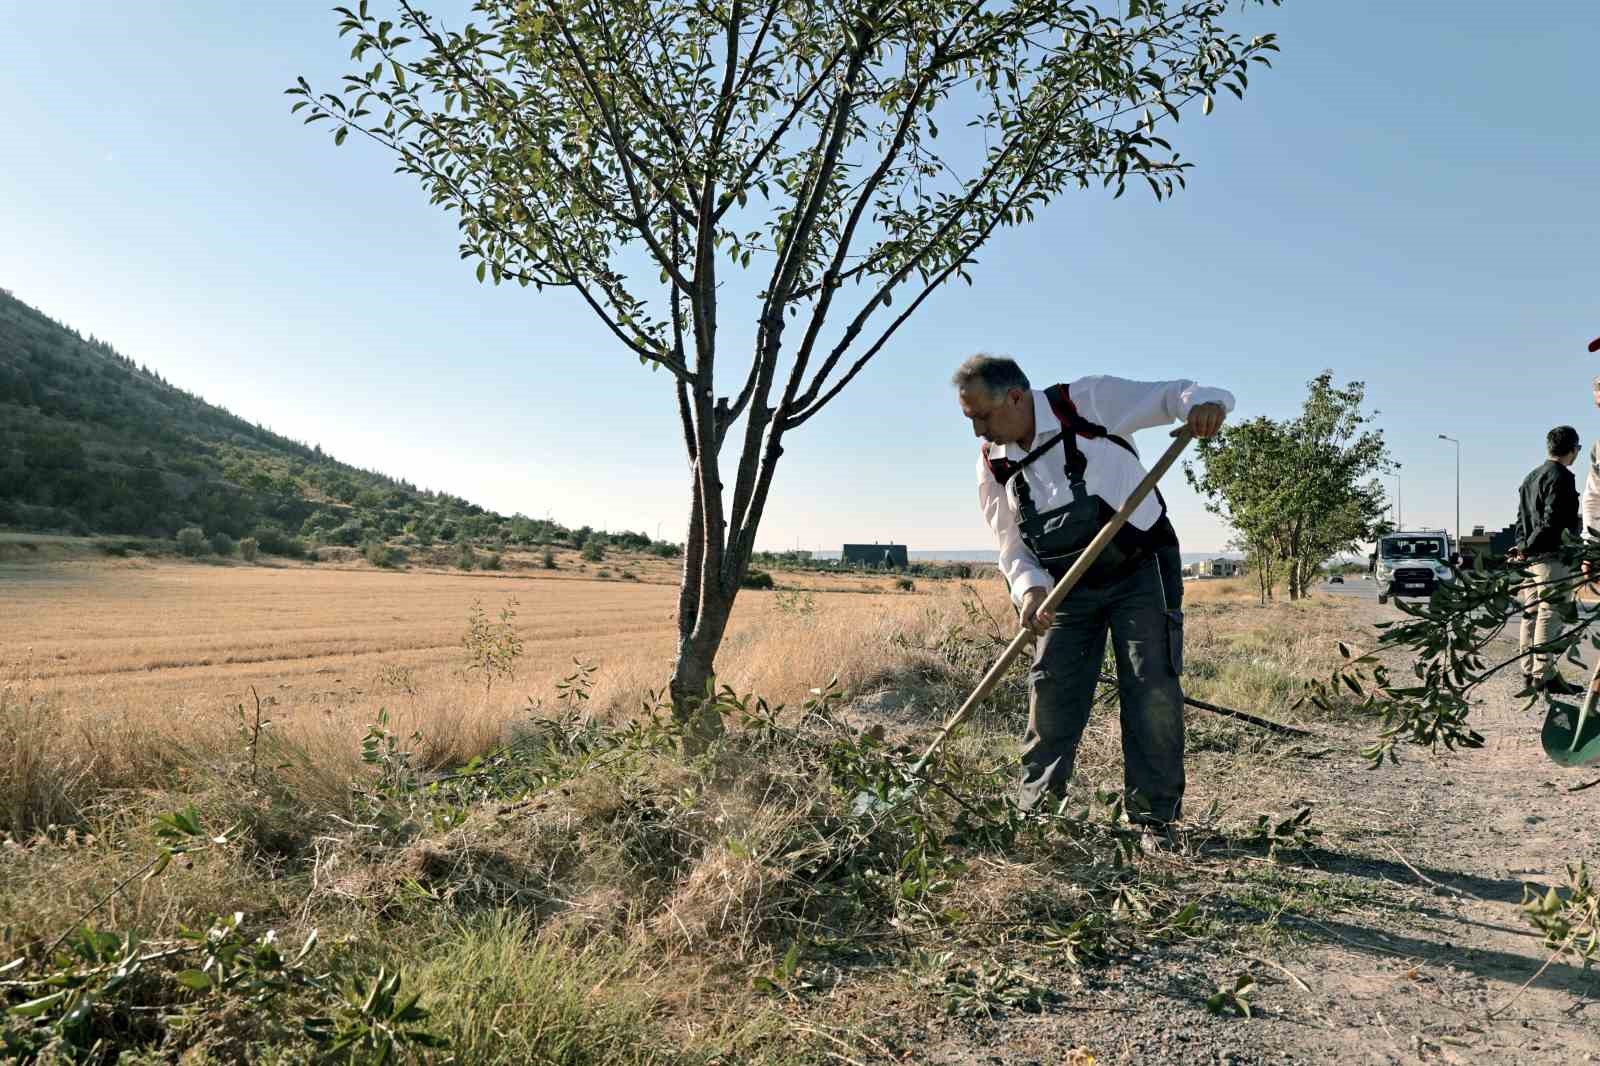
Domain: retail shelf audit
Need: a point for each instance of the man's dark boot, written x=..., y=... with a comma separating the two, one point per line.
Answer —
x=1556, y=685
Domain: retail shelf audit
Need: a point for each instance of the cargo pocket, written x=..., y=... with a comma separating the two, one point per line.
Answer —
x=1175, y=641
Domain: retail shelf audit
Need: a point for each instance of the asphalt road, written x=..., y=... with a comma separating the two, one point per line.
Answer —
x=1354, y=587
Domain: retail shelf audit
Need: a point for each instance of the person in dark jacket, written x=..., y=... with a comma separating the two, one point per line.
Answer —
x=1548, y=509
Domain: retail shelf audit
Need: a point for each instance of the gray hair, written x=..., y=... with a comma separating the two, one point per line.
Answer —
x=997, y=374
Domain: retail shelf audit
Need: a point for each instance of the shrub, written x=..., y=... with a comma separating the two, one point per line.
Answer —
x=628, y=575
x=603, y=573
x=222, y=544
x=548, y=558
x=756, y=579
x=247, y=549
x=275, y=541
x=192, y=541
x=492, y=647
x=346, y=535
x=381, y=554
x=905, y=584
x=466, y=560
x=594, y=549
x=491, y=561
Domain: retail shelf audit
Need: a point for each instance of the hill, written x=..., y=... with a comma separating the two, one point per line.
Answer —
x=92, y=441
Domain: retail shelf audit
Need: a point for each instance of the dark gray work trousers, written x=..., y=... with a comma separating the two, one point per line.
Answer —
x=1146, y=630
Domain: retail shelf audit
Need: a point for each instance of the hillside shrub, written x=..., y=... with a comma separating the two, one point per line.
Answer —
x=466, y=560
x=905, y=584
x=384, y=555
x=247, y=549
x=274, y=540
x=491, y=561
x=548, y=559
x=594, y=549
x=223, y=544
x=345, y=535
x=192, y=541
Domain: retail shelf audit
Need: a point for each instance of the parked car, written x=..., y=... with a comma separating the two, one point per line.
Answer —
x=1336, y=579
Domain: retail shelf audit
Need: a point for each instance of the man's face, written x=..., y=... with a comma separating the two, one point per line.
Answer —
x=1597, y=396
x=1002, y=420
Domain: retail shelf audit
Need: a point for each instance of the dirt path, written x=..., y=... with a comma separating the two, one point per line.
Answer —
x=1397, y=939
x=1437, y=974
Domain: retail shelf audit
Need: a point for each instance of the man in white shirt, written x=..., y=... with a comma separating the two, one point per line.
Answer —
x=1591, y=484
x=1055, y=465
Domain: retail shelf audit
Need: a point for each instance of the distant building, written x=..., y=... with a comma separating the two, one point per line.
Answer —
x=880, y=556
x=1488, y=545
x=1218, y=567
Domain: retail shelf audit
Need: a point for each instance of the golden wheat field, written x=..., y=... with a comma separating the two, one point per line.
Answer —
x=134, y=658
x=119, y=671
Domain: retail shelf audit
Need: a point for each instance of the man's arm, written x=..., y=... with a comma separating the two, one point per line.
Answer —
x=1566, y=509
x=1525, y=517
x=1018, y=565
x=1591, y=492
x=1124, y=406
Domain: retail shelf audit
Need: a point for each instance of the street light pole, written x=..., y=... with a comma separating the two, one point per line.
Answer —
x=1398, y=522
x=1457, y=443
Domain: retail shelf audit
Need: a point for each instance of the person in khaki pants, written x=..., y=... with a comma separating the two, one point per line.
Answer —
x=1548, y=509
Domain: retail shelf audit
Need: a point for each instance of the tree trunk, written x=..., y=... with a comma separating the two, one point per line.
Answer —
x=694, y=673
x=703, y=610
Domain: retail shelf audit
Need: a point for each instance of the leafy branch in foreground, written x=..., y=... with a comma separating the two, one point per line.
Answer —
x=95, y=988
x=1449, y=643
x=1570, y=920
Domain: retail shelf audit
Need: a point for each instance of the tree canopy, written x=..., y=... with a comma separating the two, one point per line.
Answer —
x=1300, y=491
x=839, y=162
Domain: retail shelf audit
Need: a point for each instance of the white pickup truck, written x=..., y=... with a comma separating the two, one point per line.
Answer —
x=1411, y=563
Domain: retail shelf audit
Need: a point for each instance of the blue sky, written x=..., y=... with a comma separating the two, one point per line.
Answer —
x=1408, y=198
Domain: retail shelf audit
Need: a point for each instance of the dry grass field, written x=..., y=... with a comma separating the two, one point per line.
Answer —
x=627, y=909
x=141, y=663
x=139, y=660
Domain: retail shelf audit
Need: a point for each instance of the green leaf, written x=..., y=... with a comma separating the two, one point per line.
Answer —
x=341, y=134
x=35, y=1007
x=162, y=862
x=196, y=980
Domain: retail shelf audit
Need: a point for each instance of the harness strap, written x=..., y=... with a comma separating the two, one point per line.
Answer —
x=1073, y=425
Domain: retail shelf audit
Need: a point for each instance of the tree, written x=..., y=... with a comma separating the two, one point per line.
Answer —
x=1298, y=492
x=627, y=150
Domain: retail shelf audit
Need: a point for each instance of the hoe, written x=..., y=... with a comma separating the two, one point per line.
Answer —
x=866, y=801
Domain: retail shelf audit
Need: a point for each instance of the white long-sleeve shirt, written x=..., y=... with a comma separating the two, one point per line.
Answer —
x=1110, y=471
x=1591, y=492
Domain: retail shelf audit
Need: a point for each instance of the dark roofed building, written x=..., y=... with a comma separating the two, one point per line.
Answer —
x=884, y=556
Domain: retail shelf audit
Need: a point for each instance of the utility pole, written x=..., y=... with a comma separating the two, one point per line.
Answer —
x=1457, y=443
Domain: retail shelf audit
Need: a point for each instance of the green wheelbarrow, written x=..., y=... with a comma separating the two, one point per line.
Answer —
x=1571, y=734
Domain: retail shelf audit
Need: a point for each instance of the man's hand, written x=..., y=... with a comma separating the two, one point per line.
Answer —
x=1205, y=419
x=1032, y=617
